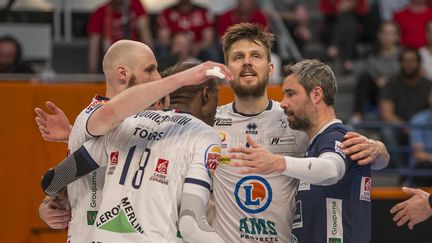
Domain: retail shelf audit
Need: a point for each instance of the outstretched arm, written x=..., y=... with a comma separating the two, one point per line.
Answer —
x=140, y=97
x=54, y=126
x=326, y=169
x=414, y=210
x=365, y=151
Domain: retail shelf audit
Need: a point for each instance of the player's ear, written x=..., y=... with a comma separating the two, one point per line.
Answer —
x=205, y=95
x=122, y=73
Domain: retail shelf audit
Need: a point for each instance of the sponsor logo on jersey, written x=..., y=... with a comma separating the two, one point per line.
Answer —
x=120, y=219
x=282, y=140
x=146, y=134
x=334, y=219
x=223, y=122
x=95, y=103
x=223, y=137
x=365, y=189
x=251, y=128
x=159, y=119
x=303, y=186
x=298, y=216
x=162, y=166
x=335, y=240
x=253, y=194
x=224, y=160
x=91, y=217
x=258, y=229
x=339, y=150
x=114, y=156
x=283, y=123
x=161, y=171
x=212, y=158
x=93, y=188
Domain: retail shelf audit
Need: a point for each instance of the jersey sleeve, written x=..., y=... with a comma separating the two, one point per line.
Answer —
x=330, y=142
x=205, y=159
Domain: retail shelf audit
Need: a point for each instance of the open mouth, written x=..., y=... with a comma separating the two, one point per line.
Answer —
x=248, y=73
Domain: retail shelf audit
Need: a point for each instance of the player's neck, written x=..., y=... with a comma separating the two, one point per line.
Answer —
x=251, y=105
x=324, y=116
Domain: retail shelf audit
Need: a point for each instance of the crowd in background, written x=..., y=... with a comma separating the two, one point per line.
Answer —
x=393, y=84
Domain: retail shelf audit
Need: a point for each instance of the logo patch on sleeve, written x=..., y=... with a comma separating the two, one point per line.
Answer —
x=339, y=150
x=365, y=189
x=212, y=158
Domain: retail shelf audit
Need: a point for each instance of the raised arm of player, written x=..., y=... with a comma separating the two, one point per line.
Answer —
x=142, y=96
x=53, y=126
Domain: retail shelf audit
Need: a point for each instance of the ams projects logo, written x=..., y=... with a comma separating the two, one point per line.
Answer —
x=253, y=194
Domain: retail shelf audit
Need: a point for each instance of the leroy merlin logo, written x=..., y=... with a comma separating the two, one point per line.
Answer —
x=120, y=219
x=335, y=240
x=91, y=217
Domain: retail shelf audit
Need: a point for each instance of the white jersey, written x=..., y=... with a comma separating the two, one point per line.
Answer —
x=255, y=208
x=148, y=158
x=85, y=193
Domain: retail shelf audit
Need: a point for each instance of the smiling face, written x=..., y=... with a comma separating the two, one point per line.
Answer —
x=297, y=104
x=250, y=66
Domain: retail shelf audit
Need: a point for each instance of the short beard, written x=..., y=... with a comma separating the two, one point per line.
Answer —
x=300, y=124
x=252, y=92
x=411, y=75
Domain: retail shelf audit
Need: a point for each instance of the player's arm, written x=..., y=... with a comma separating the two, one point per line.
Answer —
x=140, y=97
x=365, y=151
x=73, y=167
x=326, y=169
x=193, y=224
x=53, y=126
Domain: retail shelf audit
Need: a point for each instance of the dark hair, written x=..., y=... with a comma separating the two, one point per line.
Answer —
x=190, y=90
x=312, y=73
x=10, y=39
x=247, y=31
x=407, y=50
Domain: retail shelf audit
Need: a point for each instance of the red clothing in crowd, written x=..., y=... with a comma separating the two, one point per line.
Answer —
x=194, y=21
x=412, y=26
x=108, y=22
x=230, y=18
x=329, y=7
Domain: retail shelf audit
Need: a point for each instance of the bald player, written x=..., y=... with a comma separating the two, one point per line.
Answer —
x=126, y=64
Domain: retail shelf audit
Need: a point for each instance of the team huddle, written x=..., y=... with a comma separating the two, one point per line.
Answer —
x=147, y=168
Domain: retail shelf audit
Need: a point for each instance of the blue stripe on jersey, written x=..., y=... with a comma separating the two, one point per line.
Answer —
x=198, y=182
x=84, y=162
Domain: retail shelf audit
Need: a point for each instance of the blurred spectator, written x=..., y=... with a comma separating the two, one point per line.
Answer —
x=343, y=21
x=412, y=21
x=421, y=142
x=11, y=57
x=388, y=8
x=426, y=52
x=296, y=19
x=181, y=50
x=404, y=96
x=115, y=20
x=190, y=18
x=379, y=67
x=244, y=11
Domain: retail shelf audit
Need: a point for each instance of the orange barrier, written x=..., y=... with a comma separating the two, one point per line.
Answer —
x=26, y=156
